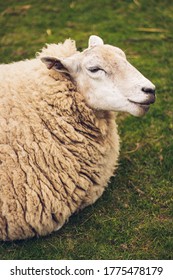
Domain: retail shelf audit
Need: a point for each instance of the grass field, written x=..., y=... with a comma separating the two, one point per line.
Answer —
x=134, y=217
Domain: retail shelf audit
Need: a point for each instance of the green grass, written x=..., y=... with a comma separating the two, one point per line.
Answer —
x=134, y=217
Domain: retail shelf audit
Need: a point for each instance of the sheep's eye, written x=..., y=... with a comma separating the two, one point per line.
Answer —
x=94, y=69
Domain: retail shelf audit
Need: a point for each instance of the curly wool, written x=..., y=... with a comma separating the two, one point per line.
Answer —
x=56, y=154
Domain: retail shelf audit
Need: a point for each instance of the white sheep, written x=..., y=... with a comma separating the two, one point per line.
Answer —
x=58, y=138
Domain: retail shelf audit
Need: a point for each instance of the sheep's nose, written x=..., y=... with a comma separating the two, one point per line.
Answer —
x=149, y=90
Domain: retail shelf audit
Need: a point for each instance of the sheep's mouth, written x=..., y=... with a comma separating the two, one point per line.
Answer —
x=148, y=102
x=142, y=104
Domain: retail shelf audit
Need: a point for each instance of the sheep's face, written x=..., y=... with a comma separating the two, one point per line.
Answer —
x=107, y=80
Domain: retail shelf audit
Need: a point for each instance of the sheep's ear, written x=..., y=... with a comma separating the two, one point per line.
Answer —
x=54, y=63
x=95, y=41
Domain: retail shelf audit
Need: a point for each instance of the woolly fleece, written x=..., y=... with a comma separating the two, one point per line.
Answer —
x=56, y=154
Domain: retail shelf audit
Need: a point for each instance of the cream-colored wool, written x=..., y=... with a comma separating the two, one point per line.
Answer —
x=57, y=153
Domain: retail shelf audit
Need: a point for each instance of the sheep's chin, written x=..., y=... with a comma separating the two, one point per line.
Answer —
x=138, y=110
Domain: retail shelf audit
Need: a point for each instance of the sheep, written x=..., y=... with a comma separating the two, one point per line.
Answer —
x=59, y=143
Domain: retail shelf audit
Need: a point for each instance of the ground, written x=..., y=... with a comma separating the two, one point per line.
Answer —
x=133, y=218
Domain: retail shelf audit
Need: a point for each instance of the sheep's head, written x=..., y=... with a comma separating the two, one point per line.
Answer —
x=106, y=79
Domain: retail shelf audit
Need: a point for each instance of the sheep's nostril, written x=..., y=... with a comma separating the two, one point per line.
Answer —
x=149, y=90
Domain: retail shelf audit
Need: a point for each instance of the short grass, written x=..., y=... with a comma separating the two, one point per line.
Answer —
x=134, y=217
